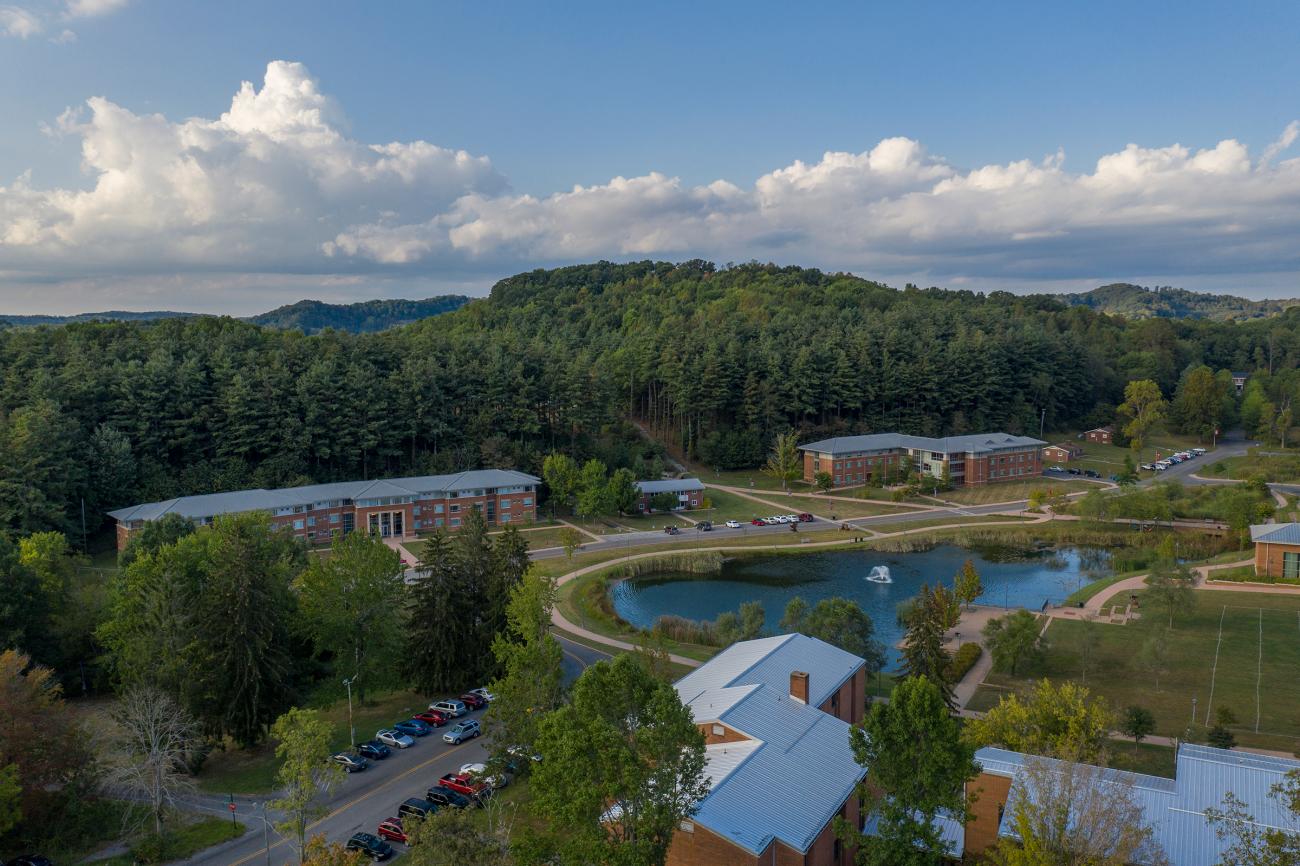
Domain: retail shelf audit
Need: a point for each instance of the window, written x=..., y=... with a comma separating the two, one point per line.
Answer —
x=297, y=524
x=416, y=511
x=455, y=521
x=505, y=503
x=1291, y=564
x=311, y=521
x=528, y=500
x=438, y=523
x=437, y=509
x=334, y=518
x=505, y=518
x=455, y=509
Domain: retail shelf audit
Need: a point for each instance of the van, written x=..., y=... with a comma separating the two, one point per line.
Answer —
x=452, y=708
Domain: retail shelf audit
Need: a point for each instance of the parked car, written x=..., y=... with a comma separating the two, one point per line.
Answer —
x=672, y=530
x=479, y=770
x=704, y=526
x=473, y=701
x=1162, y=465
x=413, y=728
x=394, y=739
x=805, y=517
x=370, y=845
x=466, y=730
x=1150, y=467
x=429, y=717
x=484, y=694
x=391, y=828
x=448, y=798
x=374, y=750
x=463, y=784
x=451, y=709
x=1074, y=471
x=416, y=807
x=1092, y=473
x=1198, y=451
x=349, y=762
x=758, y=521
x=733, y=524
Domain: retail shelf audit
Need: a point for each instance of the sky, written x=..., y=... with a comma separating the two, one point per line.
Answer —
x=229, y=157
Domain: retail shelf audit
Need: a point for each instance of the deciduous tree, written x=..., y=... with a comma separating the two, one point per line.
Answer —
x=784, y=463
x=1138, y=723
x=306, y=774
x=150, y=749
x=1258, y=843
x=967, y=585
x=917, y=765
x=562, y=476
x=1144, y=406
x=531, y=663
x=1014, y=640
x=1051, y=720
x=840, y=622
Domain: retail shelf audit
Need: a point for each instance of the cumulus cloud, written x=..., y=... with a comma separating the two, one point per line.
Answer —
x=274, y=185
x=92, y=8
x=19, y=22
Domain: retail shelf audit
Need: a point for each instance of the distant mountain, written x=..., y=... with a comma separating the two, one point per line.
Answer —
x=106, y=316
x=1137, y=302
x=307, y=316
x=363, y=317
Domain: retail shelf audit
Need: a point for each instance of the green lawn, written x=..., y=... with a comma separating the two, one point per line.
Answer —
x=105, y=560
x=186, y=841
x=252, y=771
x=754, y=479
x=1010, y=491
x=840, y=508
x=1251, y=669
x=1275, y=466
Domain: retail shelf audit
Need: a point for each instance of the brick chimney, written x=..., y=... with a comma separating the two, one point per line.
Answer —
x=799, y=686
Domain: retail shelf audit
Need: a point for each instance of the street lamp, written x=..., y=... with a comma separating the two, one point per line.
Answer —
x=352, y=730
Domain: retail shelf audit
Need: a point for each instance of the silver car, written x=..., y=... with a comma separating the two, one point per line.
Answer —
x=396, y=739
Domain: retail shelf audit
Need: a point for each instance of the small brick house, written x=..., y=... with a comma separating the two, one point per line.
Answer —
x=775, y=714
x=1101, y=435
x=1277, y=549
x=689, y=493
x=1063, y=452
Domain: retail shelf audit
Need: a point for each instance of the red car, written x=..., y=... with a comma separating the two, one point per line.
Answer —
x=757, y=521
x=473, y=701
x=429, y=717
x=805, y=517
x=391, y=829
x=462, y=783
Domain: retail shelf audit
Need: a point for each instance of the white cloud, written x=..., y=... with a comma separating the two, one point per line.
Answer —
x=92, y=8
x=19, y=22
x=274, y=185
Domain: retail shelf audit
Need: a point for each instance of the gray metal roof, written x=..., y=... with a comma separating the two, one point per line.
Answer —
x=975, y=443
x=670, y=485
x=1175, y=808
x=793, y=748
x=212, y=504
x=1276, y=533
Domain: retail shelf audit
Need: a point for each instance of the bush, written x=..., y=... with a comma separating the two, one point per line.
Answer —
x=963, y=660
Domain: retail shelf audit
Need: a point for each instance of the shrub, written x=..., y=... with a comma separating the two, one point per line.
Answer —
x=963, y=660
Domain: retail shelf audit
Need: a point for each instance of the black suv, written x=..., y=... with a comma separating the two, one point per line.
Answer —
x=370, y=845
x=416, y=808
x=447, y=797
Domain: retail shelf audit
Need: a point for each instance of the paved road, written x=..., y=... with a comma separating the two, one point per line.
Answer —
x=364, y=799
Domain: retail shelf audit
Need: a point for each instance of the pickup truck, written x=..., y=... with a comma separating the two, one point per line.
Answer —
x=463, y=783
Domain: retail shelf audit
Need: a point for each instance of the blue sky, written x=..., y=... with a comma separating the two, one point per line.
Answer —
x=677, y=95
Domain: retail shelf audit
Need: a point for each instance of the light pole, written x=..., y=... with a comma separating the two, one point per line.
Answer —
x=352, y=731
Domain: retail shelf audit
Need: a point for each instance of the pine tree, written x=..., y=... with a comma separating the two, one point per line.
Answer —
x=923, y=652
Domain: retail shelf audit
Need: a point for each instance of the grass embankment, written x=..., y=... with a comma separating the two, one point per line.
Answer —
x=252, y=771
x=1246, y=574
x=1250, y=666
x=825, y=505
x=1012, y=491
x=181, y=843
x=1273, y=464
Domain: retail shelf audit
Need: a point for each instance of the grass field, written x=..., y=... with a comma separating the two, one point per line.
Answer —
x=1010, y=491
x=1275, y=466
x=1108, y=459
x=187, y=840
x=1239, y=650
x=840, y=508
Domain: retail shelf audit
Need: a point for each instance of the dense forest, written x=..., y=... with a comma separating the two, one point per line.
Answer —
x=1138, y=302
x=363, y=317
x=714, y=362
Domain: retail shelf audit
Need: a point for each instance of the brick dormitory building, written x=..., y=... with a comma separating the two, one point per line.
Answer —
x=980, y=458
x=400, y=507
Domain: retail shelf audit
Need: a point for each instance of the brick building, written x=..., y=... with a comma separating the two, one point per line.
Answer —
x=1062, y=452
x=1173, y=808
x=1277, y=549
x=981, y=458
x=1101, y=435
x=401, y=507
x=689, y=492
x=775, y=714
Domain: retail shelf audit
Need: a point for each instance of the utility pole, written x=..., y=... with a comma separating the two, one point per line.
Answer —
x=352, y=731
x=1042, y=421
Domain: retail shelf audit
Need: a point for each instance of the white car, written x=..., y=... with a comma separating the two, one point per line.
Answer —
x=1198, y=451
x=396, y=739
x=780, y=518
x=484, y=694
x=479, y=771
x=733, y=524
x=791, y=518
x=1150, y=467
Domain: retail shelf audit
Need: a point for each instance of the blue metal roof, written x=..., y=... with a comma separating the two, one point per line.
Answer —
x=975, y=443
x=670, y=485
x=1276, y=533
x=770, y=661
x=1175, y=808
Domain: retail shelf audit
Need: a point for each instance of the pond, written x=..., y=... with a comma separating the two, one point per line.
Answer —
x=1024, y=582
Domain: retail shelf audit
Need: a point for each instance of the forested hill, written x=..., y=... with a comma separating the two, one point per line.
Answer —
x=714, y=361
x=106, y=316
x=1136, y=302
x=364, y=317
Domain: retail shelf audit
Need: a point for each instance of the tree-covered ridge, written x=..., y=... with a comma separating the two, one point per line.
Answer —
x=1139, y=302
x=713, y=361
x=363, y=317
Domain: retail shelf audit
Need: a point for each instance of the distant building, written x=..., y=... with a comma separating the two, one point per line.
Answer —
x=1062, y=453
x=399, y=507
x=775, y=714
x=689, y=492
x=1101, y=435
x=1239, y=380
x=1173, y=808
x=980, y=458
x=1277, y=549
